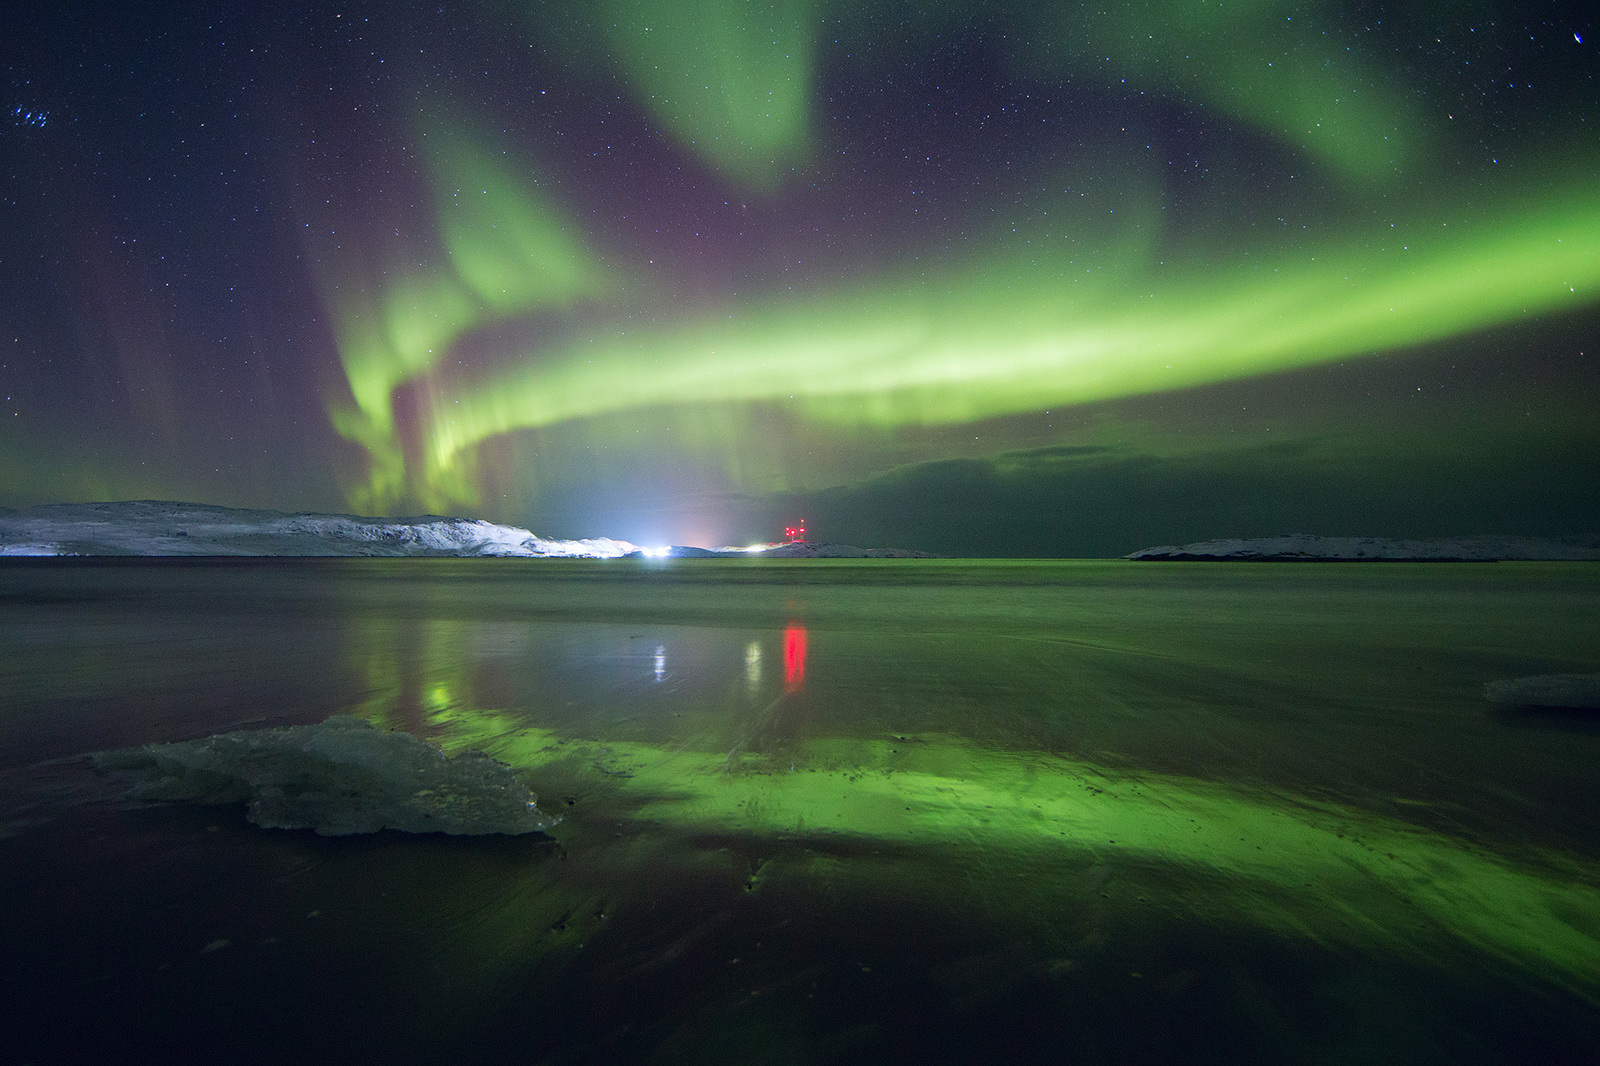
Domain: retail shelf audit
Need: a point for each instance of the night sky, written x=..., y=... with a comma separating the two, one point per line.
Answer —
x=976, y=278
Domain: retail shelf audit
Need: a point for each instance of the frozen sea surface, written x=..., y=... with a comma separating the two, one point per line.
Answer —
x=819, y=812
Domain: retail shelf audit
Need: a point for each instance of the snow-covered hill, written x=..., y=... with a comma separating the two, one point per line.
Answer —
x=1311, y=548
x=150, y=527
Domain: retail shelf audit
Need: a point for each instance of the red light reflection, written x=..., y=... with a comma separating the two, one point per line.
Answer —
x=794, y=658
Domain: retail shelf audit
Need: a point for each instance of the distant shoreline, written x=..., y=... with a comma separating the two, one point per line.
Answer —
x=1314, y=549
x=161, y=529
x=168, y=529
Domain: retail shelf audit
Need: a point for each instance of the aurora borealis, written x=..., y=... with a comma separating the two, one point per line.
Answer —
x=1024, y=278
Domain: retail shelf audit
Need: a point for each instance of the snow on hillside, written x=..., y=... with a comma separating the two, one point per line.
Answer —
x=149, y=527
x=1312, y=548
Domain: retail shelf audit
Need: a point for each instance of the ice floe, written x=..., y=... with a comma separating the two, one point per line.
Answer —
x=340, y=777
x=1564, y=691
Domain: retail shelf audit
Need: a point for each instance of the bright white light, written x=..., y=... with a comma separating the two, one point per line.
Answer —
x=655, y=553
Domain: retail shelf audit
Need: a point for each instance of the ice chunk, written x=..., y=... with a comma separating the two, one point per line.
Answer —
x=1575, y=691
x=340, y=777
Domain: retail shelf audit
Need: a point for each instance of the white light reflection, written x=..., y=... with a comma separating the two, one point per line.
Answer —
x=752, y=667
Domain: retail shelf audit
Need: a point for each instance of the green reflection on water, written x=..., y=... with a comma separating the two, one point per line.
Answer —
x=1341, y=872
x=1014, y=822
x=978, y=779
x=1282, y=863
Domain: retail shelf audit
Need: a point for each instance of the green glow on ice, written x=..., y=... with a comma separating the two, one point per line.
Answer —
x=1243, y=854
x=1320, y=865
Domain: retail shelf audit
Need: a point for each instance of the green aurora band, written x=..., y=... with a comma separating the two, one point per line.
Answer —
x=1004, y=336
x=1085, y=314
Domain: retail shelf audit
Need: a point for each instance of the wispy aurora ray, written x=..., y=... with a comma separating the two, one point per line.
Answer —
x=732, y=82
x=1269, y=63
x=508, y=251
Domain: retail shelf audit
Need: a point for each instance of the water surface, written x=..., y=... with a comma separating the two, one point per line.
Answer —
x=821, y=812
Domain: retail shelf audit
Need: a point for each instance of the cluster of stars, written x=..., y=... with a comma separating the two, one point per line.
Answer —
x=23, y=116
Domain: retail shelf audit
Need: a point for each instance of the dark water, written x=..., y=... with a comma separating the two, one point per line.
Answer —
x=819, y=812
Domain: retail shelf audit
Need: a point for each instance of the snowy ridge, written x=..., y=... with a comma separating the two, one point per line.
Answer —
x=1299, y=546
x=158, y=528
